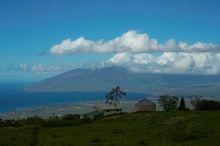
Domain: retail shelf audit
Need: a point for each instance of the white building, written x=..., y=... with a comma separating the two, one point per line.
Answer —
x=109, y=109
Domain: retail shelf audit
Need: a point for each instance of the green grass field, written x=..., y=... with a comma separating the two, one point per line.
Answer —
x=133, y=129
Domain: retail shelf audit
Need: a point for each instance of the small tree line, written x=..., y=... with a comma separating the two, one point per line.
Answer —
x=169, y=103
x=205, y=105
x=53, y=121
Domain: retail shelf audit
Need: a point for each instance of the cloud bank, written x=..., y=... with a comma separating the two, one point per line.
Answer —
x=140, y=53
x=132, y=42
x=41, y=68
x=169, y=62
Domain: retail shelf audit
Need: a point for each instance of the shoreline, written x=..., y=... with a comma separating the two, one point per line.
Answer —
x=77, y=107
x=45, y=111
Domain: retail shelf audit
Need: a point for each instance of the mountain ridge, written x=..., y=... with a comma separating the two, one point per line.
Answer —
x=103, y=79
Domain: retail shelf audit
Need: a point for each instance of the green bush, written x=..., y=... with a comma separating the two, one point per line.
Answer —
x=34, y=120
x=10, y=123
x=71, y=117
x=54, y=123
x=208, y=105
x=168, y=103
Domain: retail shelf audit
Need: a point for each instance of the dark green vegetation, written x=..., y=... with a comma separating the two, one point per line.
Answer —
x=114, y=95
x=182, y=105
x=168, y=103
x=133, y=129
x=207, y=105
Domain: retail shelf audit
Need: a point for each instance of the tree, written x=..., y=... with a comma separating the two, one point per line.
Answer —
x=196, y=101
x=182, y=105
x=208, y=105
x=168, y=103
x=114, y=95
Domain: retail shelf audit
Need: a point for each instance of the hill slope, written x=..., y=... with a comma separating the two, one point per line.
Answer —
x=189, y=128
x=105, y=78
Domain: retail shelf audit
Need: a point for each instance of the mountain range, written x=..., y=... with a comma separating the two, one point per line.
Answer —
x=103, y=79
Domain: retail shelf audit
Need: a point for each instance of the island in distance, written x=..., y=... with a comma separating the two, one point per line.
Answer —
x=103, y=79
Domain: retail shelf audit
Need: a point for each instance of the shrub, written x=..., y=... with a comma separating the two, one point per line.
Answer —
x=55, y=123
x=34, y=120
x=208, y=105
x=10, y=123
x=195, y=101
x=168, y=103
x=71, y=117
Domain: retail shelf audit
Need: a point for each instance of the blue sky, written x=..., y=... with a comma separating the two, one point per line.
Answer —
x=29, y=29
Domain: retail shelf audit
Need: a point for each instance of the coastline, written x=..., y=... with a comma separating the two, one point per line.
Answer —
x=60, y=109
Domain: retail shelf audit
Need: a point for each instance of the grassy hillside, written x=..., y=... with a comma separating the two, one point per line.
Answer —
x=157, y=128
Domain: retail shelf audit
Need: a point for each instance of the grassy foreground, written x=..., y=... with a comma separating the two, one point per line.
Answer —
x=133, y=129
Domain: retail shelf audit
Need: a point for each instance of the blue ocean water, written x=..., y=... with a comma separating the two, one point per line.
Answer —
x=12, y=97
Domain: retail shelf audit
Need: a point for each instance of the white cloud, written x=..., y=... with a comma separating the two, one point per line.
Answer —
x=136, y=51
x=166, y=62
x=23, y=67
x=142, y=58
x=170, y=62
x=53, y=68
x=42, y=68
x=132, y=42
x=38, y=68
x=120, y=58
x=67, y=46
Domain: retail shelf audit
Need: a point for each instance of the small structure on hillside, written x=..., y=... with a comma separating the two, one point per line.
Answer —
x=109, y=109
x=145, y=105
x=111, y=105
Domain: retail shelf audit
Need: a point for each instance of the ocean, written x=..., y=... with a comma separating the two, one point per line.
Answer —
x=14, y=98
